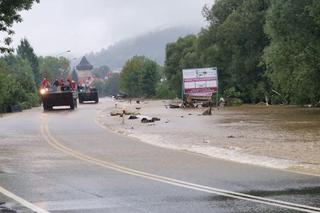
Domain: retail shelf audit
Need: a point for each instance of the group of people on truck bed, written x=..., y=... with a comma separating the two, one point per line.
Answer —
x=59, y=85
x=66, y=85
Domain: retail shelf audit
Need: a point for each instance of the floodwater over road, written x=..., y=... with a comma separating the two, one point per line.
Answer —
x=64, y=161
x=285, y=137
x=303, y=124
x=284, y=132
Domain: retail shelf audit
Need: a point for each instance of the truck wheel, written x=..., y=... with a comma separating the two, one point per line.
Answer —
x=80, y=101
x=45, y=107
x=97, y=100
x=72, y=105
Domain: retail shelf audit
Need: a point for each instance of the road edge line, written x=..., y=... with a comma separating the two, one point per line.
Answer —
x=22, y=201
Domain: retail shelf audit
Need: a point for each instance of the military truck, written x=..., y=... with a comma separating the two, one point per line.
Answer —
x=87, y=94
x=64, y=97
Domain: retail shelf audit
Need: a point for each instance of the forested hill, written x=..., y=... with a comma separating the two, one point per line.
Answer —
x=151, y=45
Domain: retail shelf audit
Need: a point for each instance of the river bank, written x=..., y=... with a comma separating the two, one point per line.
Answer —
x=282, y=137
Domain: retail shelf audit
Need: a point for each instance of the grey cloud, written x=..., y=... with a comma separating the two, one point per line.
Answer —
x=89, y=25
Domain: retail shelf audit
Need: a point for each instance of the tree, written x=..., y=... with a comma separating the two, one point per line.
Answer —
x=149, y=77
x=163, y=91
x=18, y=84
x=101, y=72
x=108, y=87
x=139, y=77
x=180, y=55
x=234, y=43
x=292, y=58
x=53, y=68
x=112, y=85
x=3, y=85
x=9, y=11
x=220, y=11
x=25, y=51
x=22, y=71
x=10, y=92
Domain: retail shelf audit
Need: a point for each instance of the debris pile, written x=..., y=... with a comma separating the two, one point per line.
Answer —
x=174, y=106
x=145, y=119
x=133, y=115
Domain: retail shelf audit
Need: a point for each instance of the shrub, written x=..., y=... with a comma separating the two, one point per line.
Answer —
x=163, y=91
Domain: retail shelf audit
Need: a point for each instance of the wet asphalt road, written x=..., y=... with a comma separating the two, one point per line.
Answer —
x=63, y=161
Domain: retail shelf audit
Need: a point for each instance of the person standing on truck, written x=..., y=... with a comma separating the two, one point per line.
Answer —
x=45, y=83
x=73, y=86
x=57, y=84
x=68, y=83
x=61, y=82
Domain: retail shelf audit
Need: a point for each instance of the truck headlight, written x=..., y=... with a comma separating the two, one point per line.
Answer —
x=43, y=91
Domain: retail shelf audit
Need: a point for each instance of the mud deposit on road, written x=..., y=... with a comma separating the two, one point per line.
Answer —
x=283, y=137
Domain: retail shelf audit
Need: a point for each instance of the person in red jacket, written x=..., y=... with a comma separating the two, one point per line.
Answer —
x=73, y=86
x=45, y=83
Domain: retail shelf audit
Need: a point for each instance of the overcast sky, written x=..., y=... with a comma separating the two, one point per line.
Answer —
x=54, y=26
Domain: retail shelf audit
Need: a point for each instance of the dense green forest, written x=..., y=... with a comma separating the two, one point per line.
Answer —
x=262, y=48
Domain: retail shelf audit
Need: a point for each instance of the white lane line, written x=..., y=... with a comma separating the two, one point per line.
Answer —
x=22, y=201
x=55, y=143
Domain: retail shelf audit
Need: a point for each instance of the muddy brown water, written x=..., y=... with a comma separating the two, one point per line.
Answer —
x=285, y=132
x=287, y=119
x=287, y=136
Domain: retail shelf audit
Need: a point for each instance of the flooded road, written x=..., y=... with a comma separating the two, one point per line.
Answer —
x=294, y=124
x=276, y=136
x=65, y=161
x=283, y=132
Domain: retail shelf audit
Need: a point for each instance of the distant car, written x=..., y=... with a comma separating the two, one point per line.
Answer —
x=120, y=96
x=51, y=98
x=87, y=94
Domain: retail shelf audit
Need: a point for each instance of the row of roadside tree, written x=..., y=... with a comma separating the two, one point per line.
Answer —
x=140, y=77
x=21, y=74
x=263, y=49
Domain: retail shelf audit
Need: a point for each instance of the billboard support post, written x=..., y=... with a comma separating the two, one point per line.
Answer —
x=182, y=91
x=217, y=95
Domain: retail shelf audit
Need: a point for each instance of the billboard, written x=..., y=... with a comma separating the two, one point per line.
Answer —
x=200, y=82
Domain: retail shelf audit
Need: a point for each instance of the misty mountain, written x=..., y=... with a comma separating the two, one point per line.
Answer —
x=151, y=45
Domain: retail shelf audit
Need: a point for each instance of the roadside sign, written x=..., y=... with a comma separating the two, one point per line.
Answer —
x=200, y=82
